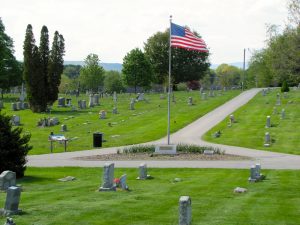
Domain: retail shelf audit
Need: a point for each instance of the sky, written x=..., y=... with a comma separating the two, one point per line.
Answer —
x=111, y=28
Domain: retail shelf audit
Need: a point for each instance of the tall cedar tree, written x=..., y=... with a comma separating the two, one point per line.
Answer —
x=13, y=147
x=44, y=53
x=35, y=83
x=10, y=70
x=55, y=67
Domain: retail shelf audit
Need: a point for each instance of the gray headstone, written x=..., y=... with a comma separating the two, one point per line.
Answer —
x=268, y=123
x=263, y=92
x=14, y=107
x=12, y=201
x=203, y=96
x=132, y=102
x=19, y=105
x=185, y=210
x=275, y=111
x=278, y=101
x=252, y=177
x=190, y=101
x=285, y=94
x=115, y=110
x=143, y=172
x=61, y=102
x=108, y=178
x=231, y=118
x=25, y=105
x=54, y=121
x=69, y=102
x=83, y=104
x=16, y=120
x=91, y=101
x=79, y=104
x=115, y=98
x=267, y=139
x=141, y=97
x=102, y=114
x=63, y=128
x=96, y=99
x=282, y=114
x=7, y=179
x=123, y=183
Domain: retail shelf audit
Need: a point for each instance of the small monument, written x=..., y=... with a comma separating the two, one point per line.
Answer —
x=263, y=92
x=268, y=123
x=115, y=110
x=61, y=102
x=7, y=179
x=282, y=114
x=15, y=120
x=132, y=102
x=255, y=174
x=185, y=210
x=14, y=106
x=102, y=114
x=123, y=183
x=143, y=172
x=190, y=101
x=63, y=128
x=278, y=101
x=96, y=99
x=91, y=101
x=267, y=139
x=108, y=178
x=19, y=105
x=11, y=207
x=203, y=96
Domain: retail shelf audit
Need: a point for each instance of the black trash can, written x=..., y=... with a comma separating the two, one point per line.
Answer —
x=97, y=139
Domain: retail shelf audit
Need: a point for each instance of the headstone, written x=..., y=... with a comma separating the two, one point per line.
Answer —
x=255, y=174
x=275, y=111
x=252, y=177
x=141, y=97
x=9, y=221
x=102, y=114
x=240, y=190
x=68, y=102
x=231, y=118
x=115, y=110
x=108, y=178
x=166, y=149
x=96, y=99
x=63, y=128
x=143, y=172
x=201, y=90
x=132, y=102
x=7, y=179
x=1, y=105
x=123, y=183
x=185, y=210
x=268, y=123
x=83, y=104
x=282, y=114
x=12, y=201
x=16, y=120
x=267, y=139
x=203, y=96
x=79, y=104
x=19, y=105
x=91, y=101
x=115, y=98
x=25, y=105
x=190, y=101
x=211, y=93
x=285, y=94
x=14, y=106
x=162, y=96
x=61, y=102
x=278, y=102
x=263, y=92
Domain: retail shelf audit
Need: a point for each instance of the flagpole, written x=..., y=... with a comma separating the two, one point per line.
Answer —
x=169, y=86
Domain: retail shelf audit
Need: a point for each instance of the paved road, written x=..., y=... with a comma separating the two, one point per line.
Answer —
x=190, y=134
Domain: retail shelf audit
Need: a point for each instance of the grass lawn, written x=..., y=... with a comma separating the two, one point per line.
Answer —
x=249, y=130
x=147, y=122
x=45, y=200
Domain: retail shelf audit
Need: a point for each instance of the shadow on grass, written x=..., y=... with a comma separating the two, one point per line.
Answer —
x=34, y=179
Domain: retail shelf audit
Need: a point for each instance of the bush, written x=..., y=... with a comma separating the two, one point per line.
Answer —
x=13, y=147
x=181, y=87
x=285, y=87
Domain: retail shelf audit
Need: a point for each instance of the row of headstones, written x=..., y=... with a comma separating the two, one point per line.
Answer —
x=15, y=106
x=47, y=122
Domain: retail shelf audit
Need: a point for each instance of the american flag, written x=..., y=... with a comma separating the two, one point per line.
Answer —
x=182, y=37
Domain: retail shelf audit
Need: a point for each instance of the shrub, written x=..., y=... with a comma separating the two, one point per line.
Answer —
x=181, y=87
x=13, y=147
x=285, y=87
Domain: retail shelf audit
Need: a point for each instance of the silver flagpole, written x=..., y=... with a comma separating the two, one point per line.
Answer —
x=169, y=87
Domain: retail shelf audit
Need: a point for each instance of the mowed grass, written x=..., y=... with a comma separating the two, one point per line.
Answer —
x=146, y=123
x=249, y=130
x=45, y=200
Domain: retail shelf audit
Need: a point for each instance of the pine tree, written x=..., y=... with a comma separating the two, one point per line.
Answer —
x=13, y=147
x=55, y=67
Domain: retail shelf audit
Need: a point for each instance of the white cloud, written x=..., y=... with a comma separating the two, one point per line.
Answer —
x=112, y=28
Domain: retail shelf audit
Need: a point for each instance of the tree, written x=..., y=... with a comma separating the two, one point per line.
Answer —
x=113, y=82
x=294, y=12
x=137, y=69
x=72, y=71
x=55, y=67
x=228, y=75
x=10, y=68
x=91, y=74
x=13, y=147
x=187, y=65
x=285, y=87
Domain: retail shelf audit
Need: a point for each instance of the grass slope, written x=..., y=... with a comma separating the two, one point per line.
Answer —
x=47, y=201
x=249, y=130
x=147, y=122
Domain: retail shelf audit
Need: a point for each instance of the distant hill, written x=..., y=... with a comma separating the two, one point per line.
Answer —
x=106, y=66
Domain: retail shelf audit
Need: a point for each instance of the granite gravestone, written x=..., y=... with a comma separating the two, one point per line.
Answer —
x=143, y=172
x=14, y=106
x=108, y=178
x=123, y=183
x=12, y=201
x=190, y=101
x=132, y=102
x=7, y=179
x=268, y=123
x=185, y=210
x=61, y=102
x=267, y=139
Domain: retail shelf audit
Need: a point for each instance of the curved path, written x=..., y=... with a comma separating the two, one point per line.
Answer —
x=190, y=134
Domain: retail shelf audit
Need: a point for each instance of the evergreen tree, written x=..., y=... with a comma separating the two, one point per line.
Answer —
x=13, y=147
x=44, y=54
x=55, y=67
x=285, y=87
x=10, y=69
